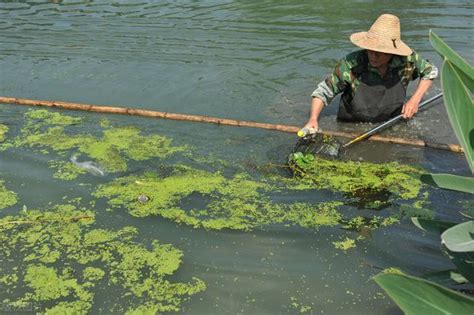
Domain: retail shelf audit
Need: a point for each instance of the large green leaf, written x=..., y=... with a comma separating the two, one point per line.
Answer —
x=460, y=107
x=459, y=243
x=433, y=226
x=448, y=53
x=459, y=238
x=416, y=296
x=449, y=181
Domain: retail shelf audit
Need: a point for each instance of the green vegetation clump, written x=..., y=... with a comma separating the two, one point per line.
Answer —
x=7, y=198
x=346, y=244
x=51, y=131
x=3, y=131
x=237, y=203
x=357, y=179
x=66, y=170
x=60, y=261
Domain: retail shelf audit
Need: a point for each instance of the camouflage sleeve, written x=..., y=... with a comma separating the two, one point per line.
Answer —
x=334, y=83
x=424, y=69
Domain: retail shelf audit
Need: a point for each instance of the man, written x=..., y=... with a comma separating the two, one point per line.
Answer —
x=373, y=81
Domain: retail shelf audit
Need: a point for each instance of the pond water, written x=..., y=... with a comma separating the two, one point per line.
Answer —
x=256, y=61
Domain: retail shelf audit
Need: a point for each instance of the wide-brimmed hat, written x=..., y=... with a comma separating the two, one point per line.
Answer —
x=383, y=36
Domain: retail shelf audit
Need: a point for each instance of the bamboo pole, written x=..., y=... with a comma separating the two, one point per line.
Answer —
x=218, y=121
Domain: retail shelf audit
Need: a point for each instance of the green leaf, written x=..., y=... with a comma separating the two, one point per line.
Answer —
x=460, y=107
x=449, y=181
x=434, y=226
x=445, y=277
x=468, y=213
x=464, y=262
x=459, y=238
x=416, y=296
x=459, y=244
x=448, y=53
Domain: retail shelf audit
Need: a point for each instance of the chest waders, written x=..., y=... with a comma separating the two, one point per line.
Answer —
x=373, y=102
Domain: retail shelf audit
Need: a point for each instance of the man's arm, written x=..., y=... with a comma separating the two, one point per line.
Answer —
x=326, y=90
x=317, y=106
x=410, y=108
x=427, y=72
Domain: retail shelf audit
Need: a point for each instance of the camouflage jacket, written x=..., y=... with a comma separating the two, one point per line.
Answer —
x=345, y=79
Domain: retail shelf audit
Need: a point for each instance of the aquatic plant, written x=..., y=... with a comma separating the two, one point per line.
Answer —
x=57, y=258
x=46, y=130
x=204, y=199
x=362, y=180
x=66, y=170
x=237, y=203
x=416, y=295
x=346, y=244
x=3, y=131
x=7, y=197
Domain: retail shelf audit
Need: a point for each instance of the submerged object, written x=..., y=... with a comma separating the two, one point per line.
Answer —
x=90, y=166
x=143, y=198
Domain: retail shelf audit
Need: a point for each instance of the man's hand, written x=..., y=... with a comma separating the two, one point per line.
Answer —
x=312, y=124
x=410, y=108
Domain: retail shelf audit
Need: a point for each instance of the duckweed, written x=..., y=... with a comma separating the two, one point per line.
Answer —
x=66, y=170
x=299, y=307
x=48, y=131
x=346, y=244
x=60, y=261
x=357, y=179
x=236, y=203
x=7, y=198
x=3, y=131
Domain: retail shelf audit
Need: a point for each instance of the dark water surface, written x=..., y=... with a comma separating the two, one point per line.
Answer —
x=249, y=60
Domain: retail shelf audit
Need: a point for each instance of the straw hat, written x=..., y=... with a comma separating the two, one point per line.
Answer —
x=383, y=36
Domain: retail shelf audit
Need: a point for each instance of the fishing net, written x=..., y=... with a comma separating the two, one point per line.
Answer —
x=310, y=146
x=318, y=144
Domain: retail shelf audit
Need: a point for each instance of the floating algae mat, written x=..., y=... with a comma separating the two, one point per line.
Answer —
x=7, y=197
x=60, y=261
x=239, y=203
x=3, y=131
x=236, y=203
x=51, y=131
x=357, y=179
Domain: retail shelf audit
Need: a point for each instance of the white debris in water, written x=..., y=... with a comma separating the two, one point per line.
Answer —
x=91, y=167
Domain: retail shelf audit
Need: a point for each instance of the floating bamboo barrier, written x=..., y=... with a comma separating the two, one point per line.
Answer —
x=218, y=121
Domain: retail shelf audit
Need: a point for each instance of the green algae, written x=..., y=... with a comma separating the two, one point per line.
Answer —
x=224, y=203
x=3, y=131
x=203, y=199
x=66, y=170
x=7, y=197
x=346, y=244
x=44, y=117
x=357, y=179
x=48, y=131
x=61, y=261
x=299, y=307
x=93, y=274
x=393, y=270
